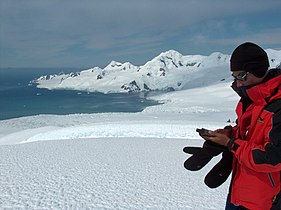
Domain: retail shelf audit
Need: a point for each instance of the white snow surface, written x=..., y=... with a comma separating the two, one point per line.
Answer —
x=114, y=160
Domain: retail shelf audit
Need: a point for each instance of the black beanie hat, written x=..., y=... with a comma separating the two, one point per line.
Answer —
x=251, y=58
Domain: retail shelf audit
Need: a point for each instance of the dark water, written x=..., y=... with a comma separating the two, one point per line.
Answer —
x=18, y=99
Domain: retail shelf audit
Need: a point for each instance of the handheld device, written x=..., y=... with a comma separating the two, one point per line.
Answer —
x=203, y=132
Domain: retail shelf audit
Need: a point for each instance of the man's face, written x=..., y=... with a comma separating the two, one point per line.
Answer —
x=243, y=78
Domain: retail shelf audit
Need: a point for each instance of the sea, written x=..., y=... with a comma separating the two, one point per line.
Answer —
x=18, y=98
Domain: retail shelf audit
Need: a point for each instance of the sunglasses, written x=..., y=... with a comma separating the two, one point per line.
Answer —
x=241, y=77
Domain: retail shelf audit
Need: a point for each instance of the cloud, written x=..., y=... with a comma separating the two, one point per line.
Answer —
x=266, y=38
x=38, y=28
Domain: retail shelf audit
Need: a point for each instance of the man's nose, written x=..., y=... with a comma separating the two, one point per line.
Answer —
x=239, y=83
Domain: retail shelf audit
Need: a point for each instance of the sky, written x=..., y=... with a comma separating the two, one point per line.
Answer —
x=89, y=33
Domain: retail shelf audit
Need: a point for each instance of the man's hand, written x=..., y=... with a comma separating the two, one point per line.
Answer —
x=219, y=138
x=224, y=131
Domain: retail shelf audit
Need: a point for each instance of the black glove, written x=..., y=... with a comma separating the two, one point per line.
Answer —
x=220, y=172
x=201, y=156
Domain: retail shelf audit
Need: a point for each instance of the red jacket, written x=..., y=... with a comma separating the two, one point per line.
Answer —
x=257, y=146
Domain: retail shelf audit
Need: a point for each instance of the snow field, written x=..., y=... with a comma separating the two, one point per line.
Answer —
x=114, y=160
x=107, y=173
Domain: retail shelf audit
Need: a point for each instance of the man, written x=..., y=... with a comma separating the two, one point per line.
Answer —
x=255, y=141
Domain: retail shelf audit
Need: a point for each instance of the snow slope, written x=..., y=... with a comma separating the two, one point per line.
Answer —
x=114, y=160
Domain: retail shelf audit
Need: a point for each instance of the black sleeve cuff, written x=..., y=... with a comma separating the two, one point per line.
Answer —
x=231, y=145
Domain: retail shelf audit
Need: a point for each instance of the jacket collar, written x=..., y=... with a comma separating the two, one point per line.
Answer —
x=268, y=90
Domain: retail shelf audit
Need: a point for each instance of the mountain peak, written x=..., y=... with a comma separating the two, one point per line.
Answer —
x=170, y=54
x=113, y=64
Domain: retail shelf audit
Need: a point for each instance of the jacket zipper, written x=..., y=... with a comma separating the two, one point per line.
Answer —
x=271, y=180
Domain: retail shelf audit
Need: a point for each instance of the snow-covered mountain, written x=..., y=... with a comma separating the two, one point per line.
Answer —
x=168, y=71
